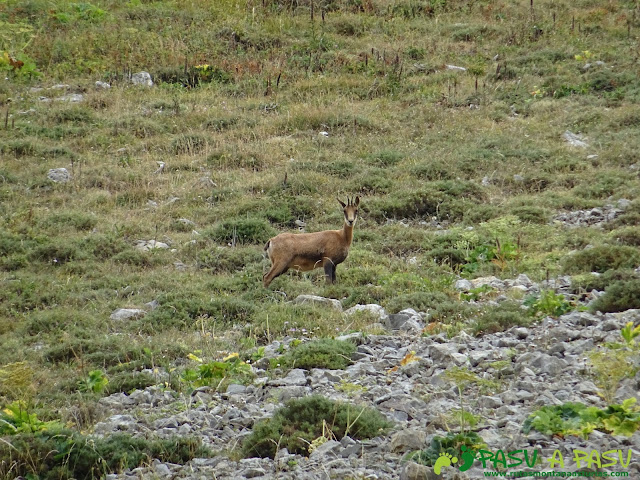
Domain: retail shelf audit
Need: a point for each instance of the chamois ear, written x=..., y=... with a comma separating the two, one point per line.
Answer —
x=342, y=203
x=357, y=201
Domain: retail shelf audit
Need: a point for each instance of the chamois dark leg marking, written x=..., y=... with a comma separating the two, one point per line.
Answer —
x=330, y=272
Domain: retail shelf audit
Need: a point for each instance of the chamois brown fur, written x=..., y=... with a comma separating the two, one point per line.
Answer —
x=306, y=251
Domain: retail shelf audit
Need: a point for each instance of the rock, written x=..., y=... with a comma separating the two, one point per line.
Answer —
x=463, y=285
x=521, y=333
x=102, y=85
x=408, y=440
x=623, y=203
x=489, y=402
x=492, y=281
x=296, y=377
x=574, y=140
x=414, y=471
x=142, y=78
x=161, y=469
x=446, y=354
x=71, y=97
x=328, y=447
x=127, y=313
x=235, y=389
x=523, y=280
x=59, y=175
x=146, y=245
x=314, y=299
x=396, y=320
x=152, y=305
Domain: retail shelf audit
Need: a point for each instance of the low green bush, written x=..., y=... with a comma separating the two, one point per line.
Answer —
x=31, y=455
x=322, y=353
x=76, y=220
x=181, y=310
x=301, y=421
x=445, y=199
x=602, y=258
x=229, y=260
x=384, y=158
x=126, y=382
x=57, y=253
x=419, y=301
x=189, y=144
x=242, y=230
x=589, y=281
x=627, y=236
x=500, y=318
x=531, y=214
x=618, y=297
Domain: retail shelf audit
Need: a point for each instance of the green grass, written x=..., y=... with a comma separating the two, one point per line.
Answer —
x=244, y=160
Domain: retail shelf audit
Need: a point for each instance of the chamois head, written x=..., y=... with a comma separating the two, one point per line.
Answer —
x=350, y=210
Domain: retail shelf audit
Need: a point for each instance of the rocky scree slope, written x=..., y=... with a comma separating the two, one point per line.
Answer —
x=532, y=367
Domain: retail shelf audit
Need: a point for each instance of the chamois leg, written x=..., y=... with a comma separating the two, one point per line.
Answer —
x=276, y=271
x=330, y=271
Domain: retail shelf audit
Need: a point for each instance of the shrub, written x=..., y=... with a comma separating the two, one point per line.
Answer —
x=323, y=353
x=77, y=220
x=228, y=260
x=371, y=182
x=618, y=297
x=56, y=253
x=630, y=216
x=627, y=236
x=189, y=144
x=433, y=170
x=500, y=318
x=384, y=158
x=221, y=124
x=10, y=244
x=126, y=382
x=243, y=230
x=602, y=258
x=589, y=281
x=21, y=148
x=180, y=310
x=84, y=458
x=444, y=199
x=53, y=320
x=132, y=256
x=72, y=114
x=301, y=421
x=451, y=312
x=531, y=214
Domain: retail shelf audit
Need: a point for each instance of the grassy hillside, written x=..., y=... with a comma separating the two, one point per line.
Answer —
x=460, y=172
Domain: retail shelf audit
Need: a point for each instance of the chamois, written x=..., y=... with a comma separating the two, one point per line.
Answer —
x=306, y=251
